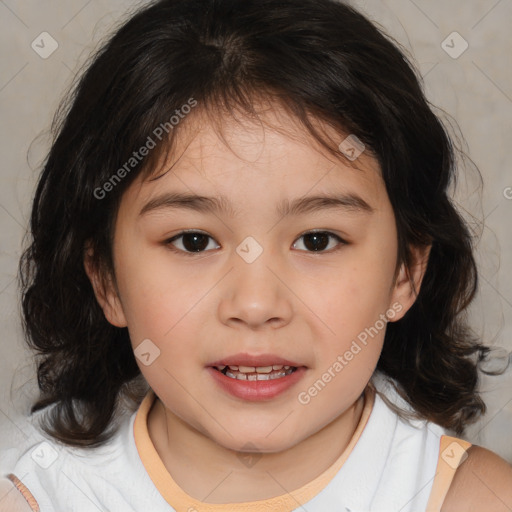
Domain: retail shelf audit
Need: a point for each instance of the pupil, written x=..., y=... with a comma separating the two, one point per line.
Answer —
x=199, y=242
x=317, y=239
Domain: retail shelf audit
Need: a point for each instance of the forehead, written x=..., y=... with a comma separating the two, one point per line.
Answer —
x=273, y=156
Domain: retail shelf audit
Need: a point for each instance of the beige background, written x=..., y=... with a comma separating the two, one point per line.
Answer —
x=475, y=89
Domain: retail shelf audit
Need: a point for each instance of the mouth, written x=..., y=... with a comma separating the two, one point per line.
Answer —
x=256, y=378
x=256, y=373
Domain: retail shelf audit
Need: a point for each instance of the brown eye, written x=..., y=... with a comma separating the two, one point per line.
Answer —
x=318, y=241
x=191, y=242
x=196, y=242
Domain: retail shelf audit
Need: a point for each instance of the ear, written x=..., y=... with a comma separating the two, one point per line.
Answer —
x=407, y=285
x=105, y=290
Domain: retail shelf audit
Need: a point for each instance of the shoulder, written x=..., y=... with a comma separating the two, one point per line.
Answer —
x=11, y=499
x=482, y=482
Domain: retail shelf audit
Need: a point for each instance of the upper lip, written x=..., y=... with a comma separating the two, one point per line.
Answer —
x=244, y=359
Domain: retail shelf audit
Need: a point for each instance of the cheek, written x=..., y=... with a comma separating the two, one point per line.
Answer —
x=167, y=329
x=352, y=298
x=350, y=308
x=155, y=294
x=167, y=311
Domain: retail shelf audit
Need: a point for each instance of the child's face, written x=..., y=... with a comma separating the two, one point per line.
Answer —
x=322, y=310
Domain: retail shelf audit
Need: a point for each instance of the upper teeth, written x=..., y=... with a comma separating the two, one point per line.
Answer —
x=253, y=369
x=257, y=369
x=257, y=372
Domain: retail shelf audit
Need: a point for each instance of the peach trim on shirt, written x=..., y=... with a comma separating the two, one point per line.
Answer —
x=452, y=453
x=24, y=492
x=182, y=502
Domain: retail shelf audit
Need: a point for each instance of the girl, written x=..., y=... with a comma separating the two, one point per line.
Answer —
x=246, y=283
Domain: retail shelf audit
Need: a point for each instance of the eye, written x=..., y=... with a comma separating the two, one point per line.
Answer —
x=192, y=242
x=316, y=241
x=195, y=241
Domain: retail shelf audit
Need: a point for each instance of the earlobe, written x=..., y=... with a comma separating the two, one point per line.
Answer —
x=105, y=292
x=408, y=283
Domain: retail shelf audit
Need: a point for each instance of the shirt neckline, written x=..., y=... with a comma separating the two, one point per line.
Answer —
x=183, y=502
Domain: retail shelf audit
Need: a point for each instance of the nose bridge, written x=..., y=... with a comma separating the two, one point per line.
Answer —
x=255, y=295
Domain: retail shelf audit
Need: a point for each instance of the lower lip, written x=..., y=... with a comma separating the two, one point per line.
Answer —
x=256, y=390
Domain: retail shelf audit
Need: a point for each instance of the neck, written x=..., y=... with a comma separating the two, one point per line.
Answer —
x=211, y=473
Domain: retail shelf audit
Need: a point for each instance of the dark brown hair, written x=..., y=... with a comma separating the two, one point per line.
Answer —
x=320, y=59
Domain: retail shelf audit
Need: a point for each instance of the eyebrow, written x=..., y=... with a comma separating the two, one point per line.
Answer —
x=349, y=202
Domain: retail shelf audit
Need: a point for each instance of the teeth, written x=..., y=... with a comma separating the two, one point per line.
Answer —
x=264, y=369
x=258, y=369
x=275, y=374
x=254, y=373
x=252, y=369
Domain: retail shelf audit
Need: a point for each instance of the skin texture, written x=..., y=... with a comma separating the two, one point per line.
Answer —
x=482, y=482
x=302, y=305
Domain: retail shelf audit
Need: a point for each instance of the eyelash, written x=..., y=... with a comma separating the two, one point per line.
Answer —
x=169, y=244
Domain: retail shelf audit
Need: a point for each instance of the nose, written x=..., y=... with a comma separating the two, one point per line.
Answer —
x=256, y=295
